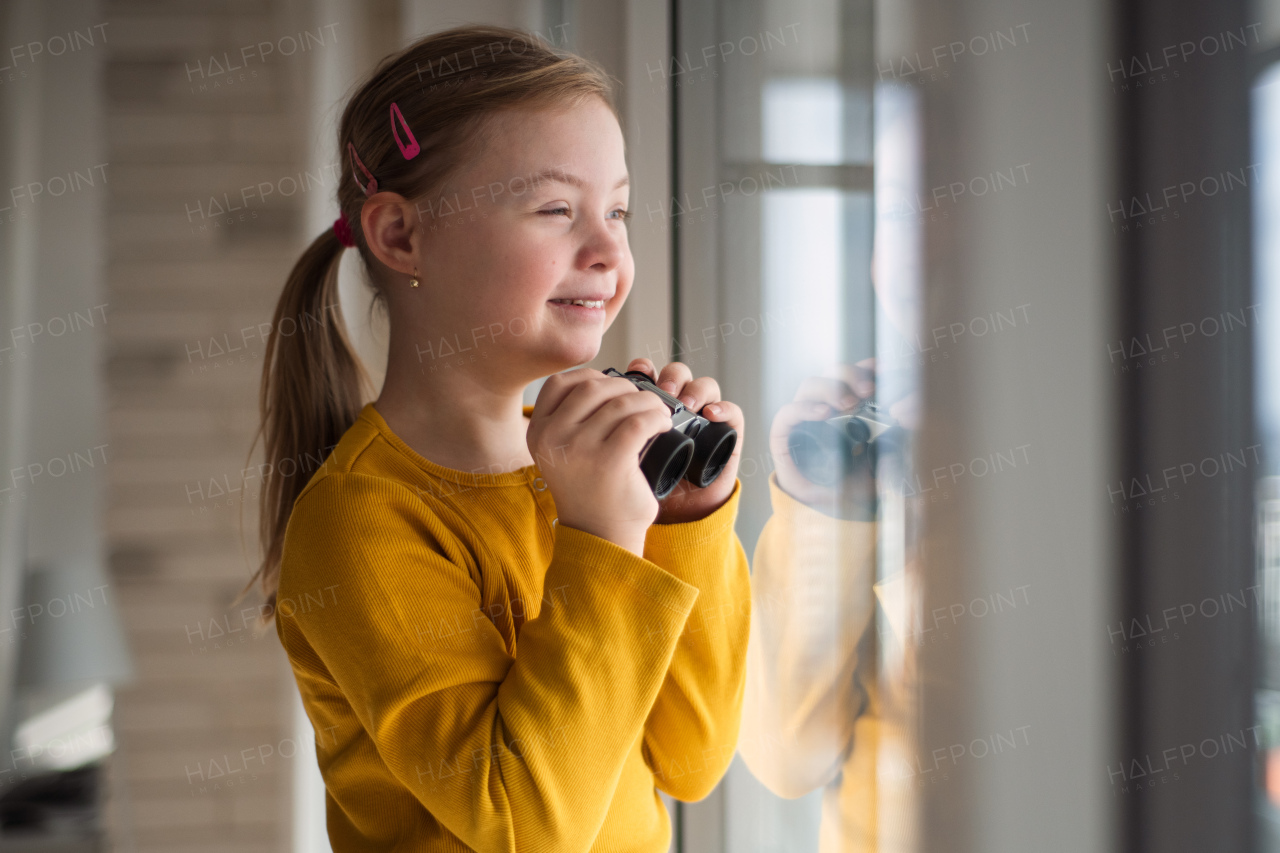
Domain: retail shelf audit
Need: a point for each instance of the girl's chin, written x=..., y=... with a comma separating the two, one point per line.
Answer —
x=549, y=349
x=573, y=350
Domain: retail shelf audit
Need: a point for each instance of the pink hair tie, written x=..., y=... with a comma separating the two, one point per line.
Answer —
x=342, y=228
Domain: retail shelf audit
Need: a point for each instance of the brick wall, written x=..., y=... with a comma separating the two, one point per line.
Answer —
x=187, y=286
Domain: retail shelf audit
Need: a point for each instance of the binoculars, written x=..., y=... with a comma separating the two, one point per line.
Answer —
x=826, y=451
x=695, y=448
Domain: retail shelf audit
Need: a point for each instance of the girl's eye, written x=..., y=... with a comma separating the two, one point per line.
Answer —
x=619, y=214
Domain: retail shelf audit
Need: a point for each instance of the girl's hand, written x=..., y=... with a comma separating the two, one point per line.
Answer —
x=585, y=433
x=819, y=398
x=701, y=396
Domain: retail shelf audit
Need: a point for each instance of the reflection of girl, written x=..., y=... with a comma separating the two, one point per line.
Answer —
x=829, y=704
x=817, y=714
x=510, y=654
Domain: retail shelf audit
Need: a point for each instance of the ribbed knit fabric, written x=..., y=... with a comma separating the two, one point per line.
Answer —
x=480, y=678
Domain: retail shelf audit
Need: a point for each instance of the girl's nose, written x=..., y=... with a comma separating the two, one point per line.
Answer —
x=605, y=247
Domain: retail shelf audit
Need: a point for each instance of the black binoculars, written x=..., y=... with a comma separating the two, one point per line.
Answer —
x=695, y=448
x=826, y=451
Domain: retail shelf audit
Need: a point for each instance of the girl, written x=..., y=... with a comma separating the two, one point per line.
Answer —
x=497, y=646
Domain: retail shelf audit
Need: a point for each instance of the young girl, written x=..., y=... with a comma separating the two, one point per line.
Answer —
x=497, y=646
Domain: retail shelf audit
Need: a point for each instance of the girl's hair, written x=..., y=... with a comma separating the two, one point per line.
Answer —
x=444, y=86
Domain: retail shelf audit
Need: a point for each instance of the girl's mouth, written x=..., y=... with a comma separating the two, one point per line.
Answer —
x=580, y=310
x=585, y=303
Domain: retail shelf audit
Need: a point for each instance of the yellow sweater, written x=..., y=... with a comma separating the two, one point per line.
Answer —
x=406, y=589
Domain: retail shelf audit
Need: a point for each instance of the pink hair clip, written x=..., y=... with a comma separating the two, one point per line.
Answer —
x=342, y=228
x=371, y=186
x=411, y=150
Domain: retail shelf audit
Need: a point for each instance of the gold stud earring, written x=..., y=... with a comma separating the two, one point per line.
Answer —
x=413, y=282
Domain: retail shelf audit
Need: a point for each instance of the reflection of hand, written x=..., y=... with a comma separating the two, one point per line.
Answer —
x=819, y=398
x=687, y=502
x=907, y=411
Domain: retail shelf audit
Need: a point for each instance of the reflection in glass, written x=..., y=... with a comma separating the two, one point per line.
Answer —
x=803, y=120
x=831, y=681
x=1266, y=243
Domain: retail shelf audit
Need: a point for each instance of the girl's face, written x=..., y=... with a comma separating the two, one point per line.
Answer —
x=533, y=221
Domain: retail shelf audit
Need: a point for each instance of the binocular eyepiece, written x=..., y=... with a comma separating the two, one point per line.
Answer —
x=826, y=451
x=695, y=448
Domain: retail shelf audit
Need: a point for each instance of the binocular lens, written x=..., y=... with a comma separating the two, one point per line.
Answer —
x=665, y=460
x=713, y=445
x=821, y=452
x=857, y=431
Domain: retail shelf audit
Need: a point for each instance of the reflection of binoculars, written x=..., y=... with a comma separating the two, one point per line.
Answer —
x=694, y=448
x=826, y=451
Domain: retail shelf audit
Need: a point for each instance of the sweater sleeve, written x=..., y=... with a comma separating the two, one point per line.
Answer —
x=692, y=732
x=812, y=610
x=505, y=752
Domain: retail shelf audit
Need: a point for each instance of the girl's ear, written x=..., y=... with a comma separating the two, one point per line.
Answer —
x=387, y=220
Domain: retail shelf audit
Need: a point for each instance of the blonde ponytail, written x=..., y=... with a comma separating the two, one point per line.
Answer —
x=313, y=387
